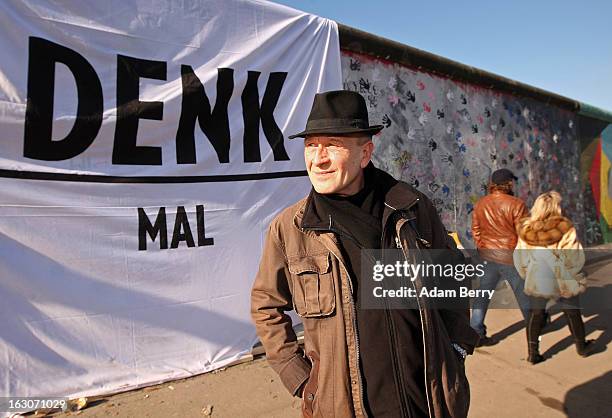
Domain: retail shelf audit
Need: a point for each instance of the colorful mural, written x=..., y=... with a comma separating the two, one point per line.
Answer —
x=445, y=138
x=595, y=138
x=605, y=182
x=597, y=158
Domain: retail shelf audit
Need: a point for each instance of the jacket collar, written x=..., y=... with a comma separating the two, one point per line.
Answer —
x=500, y=193
x=400, y=197
x=543, y=232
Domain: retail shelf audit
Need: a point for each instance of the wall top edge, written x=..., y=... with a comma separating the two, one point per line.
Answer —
x=358, y=41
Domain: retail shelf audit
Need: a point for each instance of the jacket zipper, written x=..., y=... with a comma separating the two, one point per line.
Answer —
x=353, y=311
x=399, y=245
x=404, y=402
x=395, y=361
x=354, y=320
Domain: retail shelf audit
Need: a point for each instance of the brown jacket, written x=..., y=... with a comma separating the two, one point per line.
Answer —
x=305, y=270
x=494, y=223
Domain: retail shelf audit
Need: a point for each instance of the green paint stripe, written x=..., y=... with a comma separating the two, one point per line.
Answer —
x=606, y=142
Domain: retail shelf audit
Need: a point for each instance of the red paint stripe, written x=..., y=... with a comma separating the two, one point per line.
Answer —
x=594, y=177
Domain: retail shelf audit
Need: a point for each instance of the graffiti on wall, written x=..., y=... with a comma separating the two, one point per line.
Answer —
x=446, y=138
x=589, y=134
x=596, y=162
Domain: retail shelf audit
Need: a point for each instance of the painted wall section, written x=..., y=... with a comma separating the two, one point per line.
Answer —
x=590, y=167
x=446, y=138
x=605, y=184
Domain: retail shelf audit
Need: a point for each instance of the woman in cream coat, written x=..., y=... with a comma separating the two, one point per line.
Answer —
x=549, y=257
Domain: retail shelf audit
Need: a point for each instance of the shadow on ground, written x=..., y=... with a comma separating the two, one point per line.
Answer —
x=579, y=400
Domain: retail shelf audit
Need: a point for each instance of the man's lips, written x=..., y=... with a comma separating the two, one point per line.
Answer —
x=323, y=173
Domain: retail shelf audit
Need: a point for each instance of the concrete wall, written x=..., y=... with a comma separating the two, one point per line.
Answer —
x=446, y=137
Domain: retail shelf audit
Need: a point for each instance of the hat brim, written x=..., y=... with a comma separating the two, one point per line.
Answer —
x=338, y=131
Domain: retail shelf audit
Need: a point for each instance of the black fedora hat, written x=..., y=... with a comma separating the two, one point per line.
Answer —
x=338, y=112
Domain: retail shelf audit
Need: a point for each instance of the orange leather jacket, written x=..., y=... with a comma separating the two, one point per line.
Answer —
x=494, y=223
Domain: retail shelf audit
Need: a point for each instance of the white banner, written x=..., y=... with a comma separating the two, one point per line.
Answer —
x=143, y=153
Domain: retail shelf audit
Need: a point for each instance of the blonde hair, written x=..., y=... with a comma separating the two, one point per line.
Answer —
x=546, y=205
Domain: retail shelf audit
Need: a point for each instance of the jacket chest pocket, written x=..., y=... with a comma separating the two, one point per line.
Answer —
x=312, y=285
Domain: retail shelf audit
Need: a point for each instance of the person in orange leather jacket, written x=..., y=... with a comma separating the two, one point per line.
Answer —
x=494, y=223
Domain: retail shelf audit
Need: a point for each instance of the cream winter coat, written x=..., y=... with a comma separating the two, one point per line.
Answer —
x=549, y=257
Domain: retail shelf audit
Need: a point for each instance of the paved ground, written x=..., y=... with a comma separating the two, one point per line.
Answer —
x=503, y=383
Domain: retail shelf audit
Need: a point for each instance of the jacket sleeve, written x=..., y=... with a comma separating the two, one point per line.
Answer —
x=270, y=299
x=457, y=319
x=520, y=257
x=520, y=211
x=572, y=251
x=476, y=228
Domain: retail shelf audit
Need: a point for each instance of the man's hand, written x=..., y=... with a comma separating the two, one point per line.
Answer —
x=461, y=351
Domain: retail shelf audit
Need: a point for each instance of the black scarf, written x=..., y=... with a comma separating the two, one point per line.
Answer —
x=356, y=219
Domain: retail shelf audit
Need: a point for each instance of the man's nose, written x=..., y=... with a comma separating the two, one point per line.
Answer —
x=321, y=156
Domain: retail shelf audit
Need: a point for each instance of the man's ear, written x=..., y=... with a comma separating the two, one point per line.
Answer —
x=367, y=150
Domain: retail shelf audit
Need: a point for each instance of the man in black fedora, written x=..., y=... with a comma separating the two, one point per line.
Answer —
x=356, y=361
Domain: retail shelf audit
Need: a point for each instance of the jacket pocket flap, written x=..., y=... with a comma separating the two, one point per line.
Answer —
x=311, y=263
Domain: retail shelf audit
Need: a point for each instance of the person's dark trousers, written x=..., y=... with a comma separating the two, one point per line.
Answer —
x=535, y=323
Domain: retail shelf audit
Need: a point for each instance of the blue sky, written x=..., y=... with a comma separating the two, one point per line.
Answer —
x=557, y=45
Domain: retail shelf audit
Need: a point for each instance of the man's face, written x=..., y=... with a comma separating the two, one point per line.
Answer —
x=335, y=163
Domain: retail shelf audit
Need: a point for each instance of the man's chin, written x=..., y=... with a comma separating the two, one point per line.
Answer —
x=324, y=189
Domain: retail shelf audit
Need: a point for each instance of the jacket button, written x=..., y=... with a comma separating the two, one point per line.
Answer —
x=354, y=382
x=310, y=397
